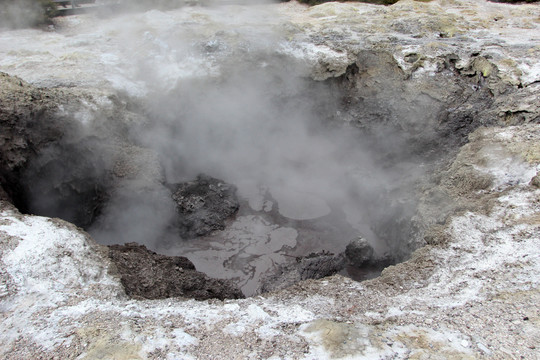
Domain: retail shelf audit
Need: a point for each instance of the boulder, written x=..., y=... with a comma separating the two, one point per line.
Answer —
x=359, y=252
x=313, y=266
x=203, y=205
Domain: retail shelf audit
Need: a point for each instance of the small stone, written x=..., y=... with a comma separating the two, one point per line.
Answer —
x=483, y=348
x=464, y=343
x=535, y=181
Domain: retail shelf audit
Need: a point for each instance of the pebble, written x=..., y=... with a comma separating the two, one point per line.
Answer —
x=483, y=348
x=464, y=343
x=506, y=351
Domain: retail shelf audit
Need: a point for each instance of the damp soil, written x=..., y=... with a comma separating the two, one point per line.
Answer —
x=145, y=274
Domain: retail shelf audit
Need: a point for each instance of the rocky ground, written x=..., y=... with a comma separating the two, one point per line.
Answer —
x=470, y=290
x=471, y=293
x=145, y=274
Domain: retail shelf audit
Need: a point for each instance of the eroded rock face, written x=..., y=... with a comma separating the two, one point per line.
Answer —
x=27, y=123
x=40, y=157
x=312, y=266
x=57, y=148
x=4, y=196
x=68, y=180
x=535, y=181
x=145, y=274
x=203, y=205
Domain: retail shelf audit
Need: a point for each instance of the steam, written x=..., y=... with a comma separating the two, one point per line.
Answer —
x=24, y=13
x=223, y=96
x=225, y=101
x=263, y=126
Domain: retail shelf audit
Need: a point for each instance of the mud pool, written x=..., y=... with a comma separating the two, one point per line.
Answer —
x=323, y=146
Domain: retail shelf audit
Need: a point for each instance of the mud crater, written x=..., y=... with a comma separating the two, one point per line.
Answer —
x=190, y=192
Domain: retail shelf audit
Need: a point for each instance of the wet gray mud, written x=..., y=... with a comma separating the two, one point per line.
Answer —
x=259, y=245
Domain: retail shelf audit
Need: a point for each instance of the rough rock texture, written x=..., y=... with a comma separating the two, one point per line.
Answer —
x=145, y=274
x=43, y=133
x=4, y=196
x=312, y=266
x=27, y=123
x=535, y=181
x=203, y=205
x=359, y=252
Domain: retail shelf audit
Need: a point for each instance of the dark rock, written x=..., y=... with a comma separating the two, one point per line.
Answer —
x=49, y=164
x=27, y=123
x=3, y=195
x=68, y=180
x=146, y=274
x=359, y=252
x=312, y=266
x=535, y=181
x=203, y=205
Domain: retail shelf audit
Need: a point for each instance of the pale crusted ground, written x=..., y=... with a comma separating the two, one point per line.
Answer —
x=472, y=295
x=472, y=292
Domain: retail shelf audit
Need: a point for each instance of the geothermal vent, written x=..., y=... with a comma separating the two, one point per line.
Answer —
x=230, y=155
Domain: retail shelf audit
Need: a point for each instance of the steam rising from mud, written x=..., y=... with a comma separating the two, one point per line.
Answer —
x=223, y=98
x=22, y=13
